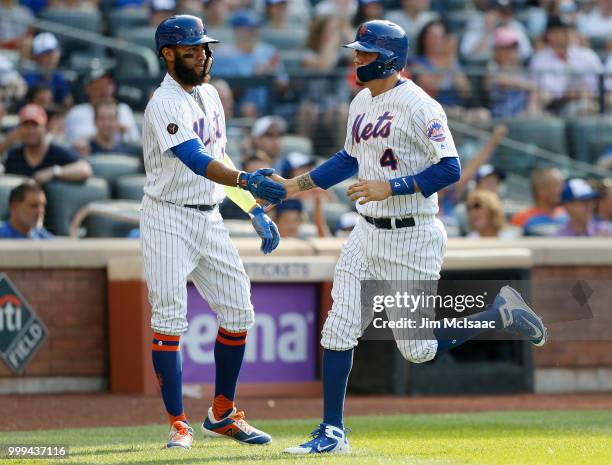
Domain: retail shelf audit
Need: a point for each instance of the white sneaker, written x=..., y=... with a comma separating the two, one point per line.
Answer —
x=181, y=435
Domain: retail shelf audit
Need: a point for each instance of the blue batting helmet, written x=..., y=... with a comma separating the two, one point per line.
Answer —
x=388, y=40
x=181, y=30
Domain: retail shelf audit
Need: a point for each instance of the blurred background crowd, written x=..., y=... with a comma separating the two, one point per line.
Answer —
x=527, y=87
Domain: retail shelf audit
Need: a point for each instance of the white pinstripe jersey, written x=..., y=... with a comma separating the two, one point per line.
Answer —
x=398, y=133
x=174, y=116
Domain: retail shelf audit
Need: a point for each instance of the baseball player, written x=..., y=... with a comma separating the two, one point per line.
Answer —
x=182, y=232
x=399, y=143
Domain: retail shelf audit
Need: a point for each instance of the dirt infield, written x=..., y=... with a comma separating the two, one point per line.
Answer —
x=91, y=410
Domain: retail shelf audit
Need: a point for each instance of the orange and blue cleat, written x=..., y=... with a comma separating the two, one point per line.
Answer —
x=234, y=426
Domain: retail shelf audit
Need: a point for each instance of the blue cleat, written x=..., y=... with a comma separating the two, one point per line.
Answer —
x=235, y=427
x=518, y=318
x=326, y=439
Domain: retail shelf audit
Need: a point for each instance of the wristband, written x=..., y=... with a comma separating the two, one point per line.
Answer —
x=240, y=182
x=402, y=186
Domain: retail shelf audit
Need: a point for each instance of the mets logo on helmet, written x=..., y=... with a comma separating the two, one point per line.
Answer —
x=435, y=130
x=362, y=30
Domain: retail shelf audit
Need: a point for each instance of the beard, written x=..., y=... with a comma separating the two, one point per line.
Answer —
x=188, y=76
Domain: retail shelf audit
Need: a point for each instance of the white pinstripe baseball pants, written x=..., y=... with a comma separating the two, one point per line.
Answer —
x=407, y=255
x=177, y=242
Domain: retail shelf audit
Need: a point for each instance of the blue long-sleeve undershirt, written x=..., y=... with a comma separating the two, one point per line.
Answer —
x=432, y=179
x=339, y=167
x=192, y=154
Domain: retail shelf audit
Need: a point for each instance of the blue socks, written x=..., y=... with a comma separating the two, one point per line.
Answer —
x=454, y=337
x=168, y=369
x=229, y=352
x=336, y=368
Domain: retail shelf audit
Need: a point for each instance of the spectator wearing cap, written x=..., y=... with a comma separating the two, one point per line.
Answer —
x=27, y=203
x=46, y=53
x=578, y=197
x=477, y=41
x=288, y=218
x=80, y=120
x=566, y=74
x=266, y=135
x=489, y=178
x=413, y=16
x=597, y=23
x=160, y=10
x=37, y=158
x=15, y=32
x=346, y=223
x=249, y=57
x=511, y=91
x=546, y=216
x=368, y=10
x=486, y=216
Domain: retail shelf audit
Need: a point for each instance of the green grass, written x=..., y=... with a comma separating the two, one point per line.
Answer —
x=500, y=438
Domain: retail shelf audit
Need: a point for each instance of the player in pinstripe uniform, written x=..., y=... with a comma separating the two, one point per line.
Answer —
x=182, y=232
x=399, y=143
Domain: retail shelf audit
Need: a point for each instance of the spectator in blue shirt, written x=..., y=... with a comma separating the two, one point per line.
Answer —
x=247, y=57
x=46, y=53
x=27, y=204
x=36, y=157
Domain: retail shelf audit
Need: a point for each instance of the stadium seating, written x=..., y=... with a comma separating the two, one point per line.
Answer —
x=125, y=19
x=7, y=183
x=130, y=187
x=111, y=218
x=584, y=134
x=111, y=166
x=128, y=64
x=64, y=199
x=87, y=20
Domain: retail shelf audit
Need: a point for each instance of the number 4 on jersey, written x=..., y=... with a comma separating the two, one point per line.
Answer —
x=389, y=159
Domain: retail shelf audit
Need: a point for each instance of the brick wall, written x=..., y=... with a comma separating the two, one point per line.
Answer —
x=594, y=349
x=72, y=304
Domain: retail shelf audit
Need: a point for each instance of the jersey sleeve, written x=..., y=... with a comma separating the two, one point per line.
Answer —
x=432, y=125
x=171, y=123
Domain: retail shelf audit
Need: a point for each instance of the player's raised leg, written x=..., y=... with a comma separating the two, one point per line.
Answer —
x=508, y=312
x=342, y=328
x=167, y=265
x=221, y=279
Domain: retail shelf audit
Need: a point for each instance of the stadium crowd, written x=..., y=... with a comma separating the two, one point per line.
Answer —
x=285, y=83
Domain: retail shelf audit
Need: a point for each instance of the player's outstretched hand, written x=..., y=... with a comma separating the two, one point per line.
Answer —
x=261, y=186
x=369, y=191
x=266, y=229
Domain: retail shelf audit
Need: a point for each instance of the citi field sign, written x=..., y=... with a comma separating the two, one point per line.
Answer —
x=21, y=330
